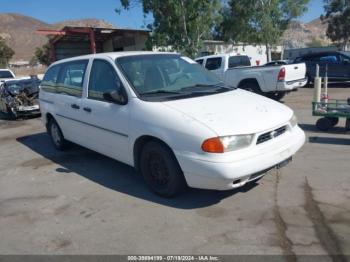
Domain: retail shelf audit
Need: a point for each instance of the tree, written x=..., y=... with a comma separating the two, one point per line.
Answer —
x=180, y=24
x=260, y=22
x=42, y=54
x=337, y=15
x=6, y=52
x=315, y=42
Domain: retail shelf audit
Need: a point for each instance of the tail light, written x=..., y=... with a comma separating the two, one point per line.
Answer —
x=281, y=74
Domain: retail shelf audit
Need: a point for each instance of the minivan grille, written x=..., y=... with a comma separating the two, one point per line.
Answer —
x=270, y=135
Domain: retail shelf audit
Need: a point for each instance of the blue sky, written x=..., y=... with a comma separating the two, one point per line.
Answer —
x=55, y=11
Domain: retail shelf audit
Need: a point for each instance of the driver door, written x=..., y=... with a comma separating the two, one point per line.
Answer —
x=107, y=123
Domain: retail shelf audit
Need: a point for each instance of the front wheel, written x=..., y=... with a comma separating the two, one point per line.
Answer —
x=161, y=170
x=56, y=135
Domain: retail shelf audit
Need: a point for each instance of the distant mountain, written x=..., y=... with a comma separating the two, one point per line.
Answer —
x=19, y=32
x=301, y=34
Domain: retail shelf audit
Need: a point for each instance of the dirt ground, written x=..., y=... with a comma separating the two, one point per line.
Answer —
x=80, y=202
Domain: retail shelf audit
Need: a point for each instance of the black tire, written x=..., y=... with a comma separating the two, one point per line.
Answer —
x=10, y=115
x=276, y=96
x=324, y=124
x=251, y=86
x=161, y=170
x=334, y=120
x=56, y=135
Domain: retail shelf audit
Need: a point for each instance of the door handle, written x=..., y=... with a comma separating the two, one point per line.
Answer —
x=87, y=109
x=75, y=106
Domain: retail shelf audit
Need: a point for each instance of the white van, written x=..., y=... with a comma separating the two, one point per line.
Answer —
x=169, y=118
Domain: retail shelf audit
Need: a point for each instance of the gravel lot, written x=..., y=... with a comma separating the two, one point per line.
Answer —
x=80, y=202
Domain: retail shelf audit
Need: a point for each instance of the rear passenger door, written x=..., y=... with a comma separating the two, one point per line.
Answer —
x=106, y=123
x=69, y=89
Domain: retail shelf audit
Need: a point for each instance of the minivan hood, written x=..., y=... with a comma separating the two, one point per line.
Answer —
x=234, y=112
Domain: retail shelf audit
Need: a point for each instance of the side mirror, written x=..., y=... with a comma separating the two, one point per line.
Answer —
x=117, y=97
x=346, y=62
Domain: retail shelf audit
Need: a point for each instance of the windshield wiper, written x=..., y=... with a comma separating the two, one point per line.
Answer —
x=160, y=91
x=207, y=88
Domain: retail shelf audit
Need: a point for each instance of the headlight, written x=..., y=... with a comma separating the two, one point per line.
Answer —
x=226, y=143
x=293, y=121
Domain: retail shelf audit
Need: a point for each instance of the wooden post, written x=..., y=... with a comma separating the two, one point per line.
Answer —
x=92, y=41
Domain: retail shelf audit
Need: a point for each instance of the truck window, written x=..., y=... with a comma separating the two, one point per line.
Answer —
x=50, y=79
x=200, y=61
x=213, y=63
x=329, y=59
x=71, y=78
x=103, y=78
x=236, y=61
x=5, y=74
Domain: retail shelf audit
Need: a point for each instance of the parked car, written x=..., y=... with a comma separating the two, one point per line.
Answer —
x=337, y=64
x=6, y=74
x=19, y=97
x=273, y=82
x=169, y=118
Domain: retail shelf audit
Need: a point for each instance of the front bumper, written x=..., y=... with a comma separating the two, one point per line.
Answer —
x=243, y=166
x=291, y=85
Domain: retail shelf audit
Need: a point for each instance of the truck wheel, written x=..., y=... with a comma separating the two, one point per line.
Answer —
x=276, y=96
x=56, y=135
x=334, y=120
x=161, y=170
x=10, y=114
x=251, y=87
x=324, y=124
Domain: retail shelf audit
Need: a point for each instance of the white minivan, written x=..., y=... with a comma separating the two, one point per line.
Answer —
x=168, y=117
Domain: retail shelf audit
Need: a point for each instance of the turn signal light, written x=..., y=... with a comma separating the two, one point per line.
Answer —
x=213, y=145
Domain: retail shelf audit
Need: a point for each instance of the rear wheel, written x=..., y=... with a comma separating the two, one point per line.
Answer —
x=324, y=124
x=56, y=135
x=251, y=86
x=161, y=170
x=334, y=120
x=276, y=95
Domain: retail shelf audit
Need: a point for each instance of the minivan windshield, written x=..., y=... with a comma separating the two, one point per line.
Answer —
x=157, y=77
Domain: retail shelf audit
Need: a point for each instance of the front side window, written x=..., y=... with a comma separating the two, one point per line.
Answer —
x=103, y=79
x=213, y=63
x=71, y=78
x=161, y=77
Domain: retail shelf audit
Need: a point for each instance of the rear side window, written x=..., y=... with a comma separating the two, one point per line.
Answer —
x=103, y=78
x=50, y=79
x=236, y=61
x=71, y=78
x=213, y=63
x=200, y=61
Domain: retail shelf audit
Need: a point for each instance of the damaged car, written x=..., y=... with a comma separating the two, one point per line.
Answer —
x=19, y=97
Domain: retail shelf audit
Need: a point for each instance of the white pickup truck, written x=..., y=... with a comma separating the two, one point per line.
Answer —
x=272, y=81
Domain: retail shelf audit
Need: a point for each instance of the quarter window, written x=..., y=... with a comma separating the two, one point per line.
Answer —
x=103, y=79
x=72, y=77
x=213, y=63
x=199, y=61
x=50, y=79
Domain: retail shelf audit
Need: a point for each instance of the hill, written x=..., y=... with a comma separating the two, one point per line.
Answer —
x=301, y=34
x=19, y=32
